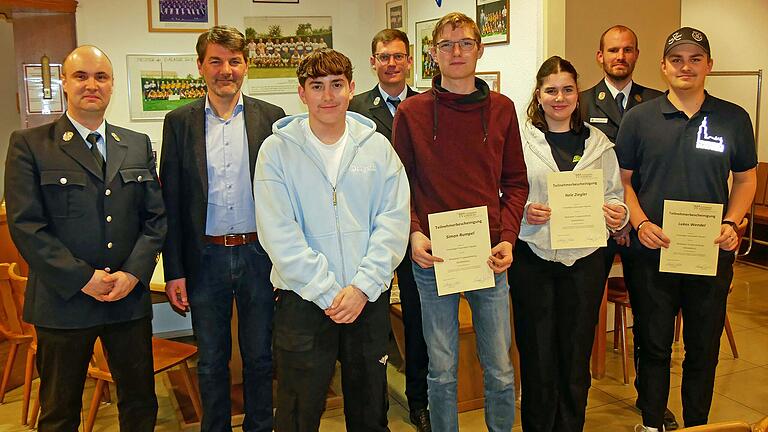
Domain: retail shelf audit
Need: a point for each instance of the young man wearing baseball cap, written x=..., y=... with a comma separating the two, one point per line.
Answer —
x=684, y=145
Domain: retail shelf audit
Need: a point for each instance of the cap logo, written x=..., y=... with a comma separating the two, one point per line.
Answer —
x=697, y=36
x=674, y=38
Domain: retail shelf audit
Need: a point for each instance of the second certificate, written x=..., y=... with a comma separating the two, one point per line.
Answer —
x=462, y=239
x=576, y=200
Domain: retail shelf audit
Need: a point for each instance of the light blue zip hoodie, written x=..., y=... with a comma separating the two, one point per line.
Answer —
x=321, y=238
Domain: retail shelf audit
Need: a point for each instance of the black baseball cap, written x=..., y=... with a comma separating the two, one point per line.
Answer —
x=687, y=35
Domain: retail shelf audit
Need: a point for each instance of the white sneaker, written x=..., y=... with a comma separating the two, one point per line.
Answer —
x=641, y=428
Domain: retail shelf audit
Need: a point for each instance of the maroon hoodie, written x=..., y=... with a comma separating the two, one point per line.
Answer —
x=462, y=151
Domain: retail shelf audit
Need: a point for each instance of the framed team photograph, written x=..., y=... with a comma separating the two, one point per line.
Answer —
x=192, y=16
x=396, y=15
x=277, y=1
x=492, y=17
x=426, y=66
x=493, y=79
x=275, y=47
x=160, y=83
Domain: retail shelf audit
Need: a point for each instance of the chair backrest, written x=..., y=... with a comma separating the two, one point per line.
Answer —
x=19, y=288
x=761, y=194
x=719, y=427
x=10, y=309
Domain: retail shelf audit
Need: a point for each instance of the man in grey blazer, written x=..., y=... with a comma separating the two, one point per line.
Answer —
x=91, y=231
x=212, y=255
x=391, y=59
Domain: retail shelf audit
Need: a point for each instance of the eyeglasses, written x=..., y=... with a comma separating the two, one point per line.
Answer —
x=446, y=46
x=383, y=58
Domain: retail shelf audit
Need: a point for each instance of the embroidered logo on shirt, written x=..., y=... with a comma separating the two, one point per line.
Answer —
x=576, y=158
x=706, y=141
x=362, y=169
x=384, y=359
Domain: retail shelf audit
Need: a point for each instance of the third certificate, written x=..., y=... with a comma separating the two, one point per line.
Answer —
x=576, y=199
x=692, y=228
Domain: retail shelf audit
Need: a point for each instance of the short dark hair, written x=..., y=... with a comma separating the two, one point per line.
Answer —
x=455, y=19
x=388, y=35
x=620, y=28
x=226, y=36
x=324, y=62
x=552, y=65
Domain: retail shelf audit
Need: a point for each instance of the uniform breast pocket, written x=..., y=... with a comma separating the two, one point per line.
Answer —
x=64, y=193
x=134, y=180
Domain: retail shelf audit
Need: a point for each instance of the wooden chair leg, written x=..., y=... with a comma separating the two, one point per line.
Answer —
x=194, y=395
x=14, y=348
x=731, y=340
x=106, y=395
x=624, y=360
x=97, y=394
x=28, y=371
x=35, y=411
x=678, y=325
x=616, y=323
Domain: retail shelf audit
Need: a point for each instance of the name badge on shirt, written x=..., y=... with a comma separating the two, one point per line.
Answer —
x=598, y=119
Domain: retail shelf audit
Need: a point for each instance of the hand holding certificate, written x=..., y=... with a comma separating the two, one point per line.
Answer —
x=692, y=228
x=462, y=239
x=576, y=199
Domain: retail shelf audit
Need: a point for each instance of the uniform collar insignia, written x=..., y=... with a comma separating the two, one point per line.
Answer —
x=67, y=136
x=114, y=135
x=377, y=101
x=601, y=95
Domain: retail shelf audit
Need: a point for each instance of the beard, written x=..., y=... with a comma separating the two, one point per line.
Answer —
x=619, y=75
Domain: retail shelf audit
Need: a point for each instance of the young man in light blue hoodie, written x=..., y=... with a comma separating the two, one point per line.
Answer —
x=333, y=214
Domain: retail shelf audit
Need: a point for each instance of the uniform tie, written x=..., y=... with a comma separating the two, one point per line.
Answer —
x=620, y=103
x=93, y=138
x=395, y=102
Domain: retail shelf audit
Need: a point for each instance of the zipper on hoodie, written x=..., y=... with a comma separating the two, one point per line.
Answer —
x=336, y=213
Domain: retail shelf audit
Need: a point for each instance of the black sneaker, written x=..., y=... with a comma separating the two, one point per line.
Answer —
x=420, y=418
x=670, y=422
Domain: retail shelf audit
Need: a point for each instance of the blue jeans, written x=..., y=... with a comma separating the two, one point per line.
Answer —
x=490, y=318
x=239, y=273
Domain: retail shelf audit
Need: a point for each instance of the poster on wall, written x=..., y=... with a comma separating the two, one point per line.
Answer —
x=396, y=15
x=159, y=83
x=493, y=20
x=276, y=45
x=182, y=15
x=426, y=65
x=493, y=79
x=42, y=100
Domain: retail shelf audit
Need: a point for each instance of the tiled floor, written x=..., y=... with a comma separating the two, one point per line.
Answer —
x=741, y=386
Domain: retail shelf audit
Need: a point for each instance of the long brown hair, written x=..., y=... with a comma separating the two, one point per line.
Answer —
x=552, y=65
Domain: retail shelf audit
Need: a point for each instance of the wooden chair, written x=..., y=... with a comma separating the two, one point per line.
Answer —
x=166, y=354
x=619, y=296
x=11, y=325
x=741, y=229
x=19, y=285
x=736, y=426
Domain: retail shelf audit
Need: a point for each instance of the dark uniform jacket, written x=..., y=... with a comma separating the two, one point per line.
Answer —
x=67, y=219
x=373, y=106
x=602, y=112
x=184, y=175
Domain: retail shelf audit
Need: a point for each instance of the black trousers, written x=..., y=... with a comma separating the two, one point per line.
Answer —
x=416, y=357
x=306, y=346
x=657, y=298
x=555, y=312
x=62, y=361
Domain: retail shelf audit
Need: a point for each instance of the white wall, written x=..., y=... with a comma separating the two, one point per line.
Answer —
x=737, y=35
x=119, y=27
x=9, y=116
x=518, y=61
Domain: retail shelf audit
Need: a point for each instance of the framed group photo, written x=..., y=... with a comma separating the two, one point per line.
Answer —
x=277, y=1
x=160, y=83
x=193, y=16
x=426, y=66
x=492, y=17
x=397, y=15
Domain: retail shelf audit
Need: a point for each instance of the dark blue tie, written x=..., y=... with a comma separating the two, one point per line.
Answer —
x=620, y=103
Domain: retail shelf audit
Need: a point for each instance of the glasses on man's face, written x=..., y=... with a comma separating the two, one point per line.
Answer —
x=446, y=46
x=383, y=58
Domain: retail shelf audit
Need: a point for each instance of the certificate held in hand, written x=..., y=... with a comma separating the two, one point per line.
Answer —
x=576, y=199
x=692, y=228
x=463, y=240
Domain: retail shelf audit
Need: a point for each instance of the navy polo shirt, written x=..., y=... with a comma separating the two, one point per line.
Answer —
x=677, y=158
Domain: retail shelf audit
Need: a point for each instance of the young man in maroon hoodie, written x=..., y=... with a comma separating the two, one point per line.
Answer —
x=471, y=152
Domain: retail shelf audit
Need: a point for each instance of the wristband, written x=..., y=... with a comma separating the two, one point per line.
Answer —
x=640, y=225
x=731, y=223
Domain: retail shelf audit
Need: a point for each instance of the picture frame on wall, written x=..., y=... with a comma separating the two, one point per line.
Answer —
x=493, y=79
x=426, y=66
x=492, y=18
x=409, y=78
x=182, y=16
x=397, y=15
x=277, y=1
x=160, y=83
